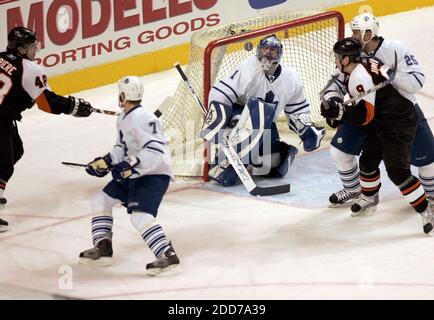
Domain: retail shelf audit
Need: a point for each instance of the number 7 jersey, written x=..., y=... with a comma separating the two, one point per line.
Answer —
x=140, y=134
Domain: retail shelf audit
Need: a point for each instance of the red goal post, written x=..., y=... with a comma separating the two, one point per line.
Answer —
x=307, y=38
x=318, y=18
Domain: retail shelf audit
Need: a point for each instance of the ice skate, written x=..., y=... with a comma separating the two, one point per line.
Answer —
x=365, y=205
x=428, y=221
x=3, y=202
x=100, y=255
x=343, y=198
x=168, y=261
x=3, y=225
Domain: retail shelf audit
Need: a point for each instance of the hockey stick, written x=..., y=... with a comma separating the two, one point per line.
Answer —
x=161, y=109
x=232, y=155
x=111, y=113
x=73, y=164
x=124, y=174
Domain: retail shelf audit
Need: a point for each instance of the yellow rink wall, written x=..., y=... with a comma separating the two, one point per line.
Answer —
x=163, y=59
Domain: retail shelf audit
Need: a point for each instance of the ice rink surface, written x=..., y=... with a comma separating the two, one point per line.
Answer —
x=231, y=245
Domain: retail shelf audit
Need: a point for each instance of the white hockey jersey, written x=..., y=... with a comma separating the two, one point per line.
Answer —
x=357, y=82
x=409, y=78
x=247, y=79
x=361, y=81
x=140, y=134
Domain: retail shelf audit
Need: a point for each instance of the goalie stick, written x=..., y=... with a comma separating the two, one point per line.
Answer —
x=232, y=155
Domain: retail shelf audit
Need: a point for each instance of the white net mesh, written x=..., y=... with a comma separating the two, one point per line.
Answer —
x=307, y=46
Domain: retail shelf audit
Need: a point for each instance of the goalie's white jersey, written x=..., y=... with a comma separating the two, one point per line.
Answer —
x=409, y=77
x=140, y=134
x=247, y=79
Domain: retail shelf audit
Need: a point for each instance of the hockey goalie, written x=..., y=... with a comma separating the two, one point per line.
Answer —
x=244, y=107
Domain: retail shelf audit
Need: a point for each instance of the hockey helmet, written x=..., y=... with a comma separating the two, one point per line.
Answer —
x=364, y=22
x=269, y=52
x=348, y=47
x=130, y=89
x=21, y=37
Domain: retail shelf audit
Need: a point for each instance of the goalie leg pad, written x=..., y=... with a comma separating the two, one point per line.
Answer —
x=258, y=135
x=226, y=176
x=250, y=132
x=216, y=121
x=287, y=154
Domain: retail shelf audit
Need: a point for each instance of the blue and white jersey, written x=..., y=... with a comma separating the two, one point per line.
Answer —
x=409, y=78
x=140, y=134
x=284, y=89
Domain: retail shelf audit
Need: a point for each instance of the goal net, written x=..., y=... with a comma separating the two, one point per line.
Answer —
x=307, y=39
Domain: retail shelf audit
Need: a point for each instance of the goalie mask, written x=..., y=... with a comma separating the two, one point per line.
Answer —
x=130, y=89
x=365, y=22
x=269, y=53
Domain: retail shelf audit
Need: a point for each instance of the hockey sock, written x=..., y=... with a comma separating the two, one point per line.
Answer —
x=426, y=176
x=348, y=169
x=370, y=182
x=2, y=187
x=102, y=224
x=151, y=232
x=413, y=191
x=350, y=179
x=156, y=239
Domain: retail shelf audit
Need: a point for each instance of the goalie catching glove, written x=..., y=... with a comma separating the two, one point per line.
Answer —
x=309, y=133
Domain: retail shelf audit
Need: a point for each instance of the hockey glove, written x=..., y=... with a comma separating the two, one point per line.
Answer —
x=333, y=109
x=379, y=71
x=333, y=123
x=100, y=166
x=311, y=136
x=125, y=169
x=80, y=107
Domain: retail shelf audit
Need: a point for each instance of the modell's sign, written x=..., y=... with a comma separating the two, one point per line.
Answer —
x=71, y=31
